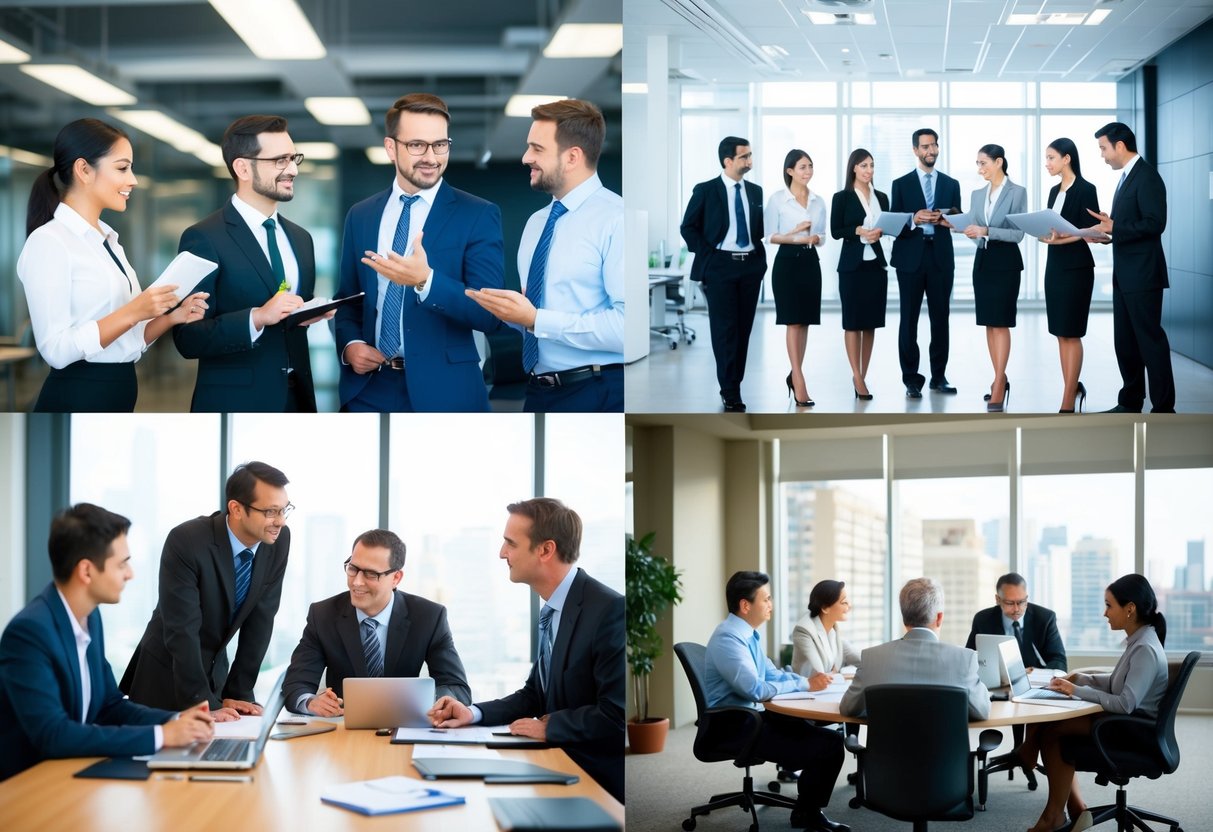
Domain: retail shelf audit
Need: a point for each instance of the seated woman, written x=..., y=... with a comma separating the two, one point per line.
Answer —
x=1135, y=686
x=817, y=645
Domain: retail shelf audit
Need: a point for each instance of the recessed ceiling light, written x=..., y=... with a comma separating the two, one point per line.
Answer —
x=10, y=54
x=1096, y=17
x=26, y=157
x=275, y=30
x=377, y=155
x=820, y=18
x=79, y=82
x=1022, y=20
x=342, y=110
x=520, y=106
x=775, y=51
x=865, y=19
x=1064, y=18
x=167, y=129
x=318, y=151
x=585, y=40
x=846, y=50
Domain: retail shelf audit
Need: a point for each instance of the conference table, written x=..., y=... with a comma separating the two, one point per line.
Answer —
x=284, y=793
x=1001, y=713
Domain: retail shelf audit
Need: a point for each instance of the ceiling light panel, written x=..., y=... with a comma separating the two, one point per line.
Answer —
x=585, y=40
x=80, y=83
x=275, y=30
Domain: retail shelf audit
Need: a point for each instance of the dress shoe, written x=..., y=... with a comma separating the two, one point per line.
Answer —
x=1123, y=409
x=1080, y=395
x=816, y=821
x=733, y=406
x=1083, y=822
x=913, y=392
x=942, y=386
x=808, y=402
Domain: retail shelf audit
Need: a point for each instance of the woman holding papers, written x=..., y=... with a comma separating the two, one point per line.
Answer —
x=817, y=644
x=998, y=265
x=863, y=283
x=91, y=319
x=1070, y=271
x=795, y=220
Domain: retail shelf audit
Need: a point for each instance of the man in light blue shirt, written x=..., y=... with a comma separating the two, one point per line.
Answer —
x=739, y=673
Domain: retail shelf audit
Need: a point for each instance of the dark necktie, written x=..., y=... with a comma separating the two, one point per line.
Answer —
x=271, y=238
x=1116, y=192
x=1017, y=628
x=743, y=231
x=545, y=645
x=118, y=263
x=244, y=576
x=929, y=191
x=370, y=648
x=393, y=299
x=535, y=280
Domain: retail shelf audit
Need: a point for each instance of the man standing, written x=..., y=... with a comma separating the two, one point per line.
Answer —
x=57, y=691
x=722, y=226
x=1034, y=627
x=247, y=359
x=739, y=673
x=219, y=576
x=571, y=310
x=372, y=630
x=1139, y=273
x=574, y=696
x=922, y=255
x=409, y=346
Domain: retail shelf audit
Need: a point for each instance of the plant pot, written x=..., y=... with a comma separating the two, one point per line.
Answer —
x=648, y=736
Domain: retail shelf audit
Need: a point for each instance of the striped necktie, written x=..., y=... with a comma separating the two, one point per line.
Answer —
x=545, y=646
x=929, y=230
x=371, y=649
x=244, y=576
x=535, y=280
x=393, y=299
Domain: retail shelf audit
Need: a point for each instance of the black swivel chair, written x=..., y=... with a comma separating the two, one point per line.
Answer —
x=917, y=765
x=725, y=733
x=1123, y=746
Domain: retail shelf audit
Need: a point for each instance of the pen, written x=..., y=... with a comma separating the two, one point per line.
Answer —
x=170, y=777
x=221, y=778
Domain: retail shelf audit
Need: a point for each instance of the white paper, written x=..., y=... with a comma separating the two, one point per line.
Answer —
x=1042, y=223
x=832, y=692
x=186, y=272
x=1040, y=676
x=312, y=304
x=961, y=221
x=462, y=752
x=467, y=735
x=892, y=222
x=245, y=728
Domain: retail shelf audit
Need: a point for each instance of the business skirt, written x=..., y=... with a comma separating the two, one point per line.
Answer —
x=995, y=292
x=864, y=293
x=796, y=282
x=1068, y=298
x=87, y=387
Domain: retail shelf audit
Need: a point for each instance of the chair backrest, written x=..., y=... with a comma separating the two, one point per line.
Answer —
x=693, y=659
x=1167, y=744
x=917, y=764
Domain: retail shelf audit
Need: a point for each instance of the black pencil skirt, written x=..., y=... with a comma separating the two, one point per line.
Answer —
x=85, y=387
x=864, y=293
x=796, y=282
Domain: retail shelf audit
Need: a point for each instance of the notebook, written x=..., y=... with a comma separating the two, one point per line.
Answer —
x=387, y=702
x=490, y=771
x=531, y=814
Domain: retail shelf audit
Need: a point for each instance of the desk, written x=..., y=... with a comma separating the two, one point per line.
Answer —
x=1001, y=713
x=284, y=793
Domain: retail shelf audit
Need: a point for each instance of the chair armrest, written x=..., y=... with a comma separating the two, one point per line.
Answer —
x=988, y=741
x=852, y=744
x=732, y=726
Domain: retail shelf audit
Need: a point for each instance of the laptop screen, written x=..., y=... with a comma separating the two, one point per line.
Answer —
x=1012, y=664
x=989, y=666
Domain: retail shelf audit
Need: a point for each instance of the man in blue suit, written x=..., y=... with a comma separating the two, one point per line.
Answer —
x=408, y=345
x=58, y=697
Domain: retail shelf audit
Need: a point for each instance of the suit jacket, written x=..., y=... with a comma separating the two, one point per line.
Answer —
x=235, y=373
x=585, y=698
x=909, y=248
x=182, y=657
x=706, y=223
x=1001, y=250
x=917, y=658
x=41, y=697
x=464, y=248
x=417, y=632
x=815, y=651
x=847, y=214
x=1079, y=198
x=1139, y=216
x=1042, y=645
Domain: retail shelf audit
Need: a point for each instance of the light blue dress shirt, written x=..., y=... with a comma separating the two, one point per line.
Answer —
x=738, y=670
x=238, y=547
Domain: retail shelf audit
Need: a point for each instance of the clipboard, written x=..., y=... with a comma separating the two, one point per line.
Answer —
x=306, y=312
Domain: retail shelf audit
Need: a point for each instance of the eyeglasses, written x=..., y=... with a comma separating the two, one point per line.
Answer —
x=370, y=575
x=1020, y=603
x=280, y=162
x=416, y=147
x=271, y=513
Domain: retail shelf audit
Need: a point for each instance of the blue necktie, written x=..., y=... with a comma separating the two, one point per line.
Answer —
x=393, y=299
x=244, y=576
x=928, y=230
x=545, y=646
x=370, y=648
x=535, y=280
x=743, y=231
x=271, y=238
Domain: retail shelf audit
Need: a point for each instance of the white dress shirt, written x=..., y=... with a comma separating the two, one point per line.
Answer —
x=729, y=243
x=290, y=266
x=783, y=213
x=581, y=319
x=871, y=210
x=70, y=283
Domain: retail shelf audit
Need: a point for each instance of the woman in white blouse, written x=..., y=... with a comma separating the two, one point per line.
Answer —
x=817, y=644
x=90, y=317
x=795, y=220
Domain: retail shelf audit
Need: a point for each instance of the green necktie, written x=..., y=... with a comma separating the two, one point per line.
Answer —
x=275, y=255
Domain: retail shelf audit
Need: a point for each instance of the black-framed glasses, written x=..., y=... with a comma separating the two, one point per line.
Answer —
x=416, y=147
x=271, y=513
x=280, y=162
x=369, y=574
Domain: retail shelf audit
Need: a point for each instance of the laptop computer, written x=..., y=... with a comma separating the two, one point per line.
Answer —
x=1021, y=687
x=224, y=753
x=387, y=702
x=990, y=669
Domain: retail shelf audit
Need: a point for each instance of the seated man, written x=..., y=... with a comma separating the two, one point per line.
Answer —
x=918, y=657
x=372, y=630
x=738, y=672
x=1034, y=627
x=58, y=697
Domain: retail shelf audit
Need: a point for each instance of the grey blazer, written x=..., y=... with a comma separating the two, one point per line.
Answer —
x=815, y=651
x=993, y=254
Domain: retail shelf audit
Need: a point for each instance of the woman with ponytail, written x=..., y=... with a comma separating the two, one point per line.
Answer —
x=91, y=319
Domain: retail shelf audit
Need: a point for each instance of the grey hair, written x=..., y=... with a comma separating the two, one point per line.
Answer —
x=921, y=601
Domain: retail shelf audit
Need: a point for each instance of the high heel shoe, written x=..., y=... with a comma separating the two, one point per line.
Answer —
x=1083, y=822
x=999, y=407
x=808, y=402
x=1081, y=397
x=866, y=397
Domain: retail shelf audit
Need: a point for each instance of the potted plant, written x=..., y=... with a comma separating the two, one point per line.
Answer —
x=653, y=586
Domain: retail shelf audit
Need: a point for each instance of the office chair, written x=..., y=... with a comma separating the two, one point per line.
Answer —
x=725, y=733
x=1010, y=763
x=917, y=765
x=1123, y=746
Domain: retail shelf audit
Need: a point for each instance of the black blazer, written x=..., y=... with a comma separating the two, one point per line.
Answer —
x=846, y=214
x=417, y=632
x=706, y=222
x=1079, y=198
x=235, y=373
x=585, y=700
x=1139, y=216
x=909, y=247
x=1042, y=645
x=182, y=657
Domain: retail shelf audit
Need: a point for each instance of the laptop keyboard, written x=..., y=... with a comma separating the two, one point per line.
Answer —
x=1044, y=693
x=226, y=751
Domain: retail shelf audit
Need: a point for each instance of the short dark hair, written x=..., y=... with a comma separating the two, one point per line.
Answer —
x=552, y=520
x=728, y=147
x=1118, y=131
x=923, y=131
x=83, y=531
x=995, y=152
x=857, y=156
x=825, y=594
x=578, y=124
x=240, y=138
x=1066, y=147
x=789, y=161
x=743, y=586
x=1135, y=589
x=243, y=481
x=414, y=102
x=384, y=539
x=1009, y=579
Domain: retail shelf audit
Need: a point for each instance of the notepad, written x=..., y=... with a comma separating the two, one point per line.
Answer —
x=386, y=796
x=491, y=771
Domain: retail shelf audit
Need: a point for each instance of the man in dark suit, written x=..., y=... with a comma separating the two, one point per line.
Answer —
x=219, y=576
x=1033, y=626
x=247, y=359
x=372, y=630
x=408, y=345
x=723, y=227
x=1139, y=273
x=574, y=696
x=922, y=255
x=57, y=692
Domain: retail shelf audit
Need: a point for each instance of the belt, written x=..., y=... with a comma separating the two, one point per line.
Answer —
x=737, y=255
x=566, y=377
x=393, y=364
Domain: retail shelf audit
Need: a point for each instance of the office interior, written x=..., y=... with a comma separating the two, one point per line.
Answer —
x=180, y=73
x=830, y=77
x=878, y=501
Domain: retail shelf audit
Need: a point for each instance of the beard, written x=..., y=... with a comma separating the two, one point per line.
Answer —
x=269, y=188
x=547, y=183
x=415, y=178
